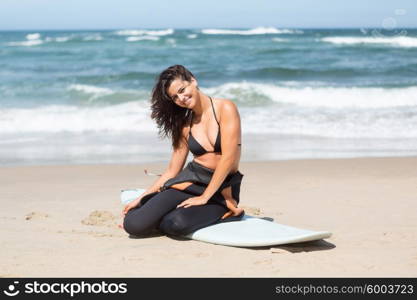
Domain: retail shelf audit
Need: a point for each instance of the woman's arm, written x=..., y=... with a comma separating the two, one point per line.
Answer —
x=178, y=159
x=230, y=138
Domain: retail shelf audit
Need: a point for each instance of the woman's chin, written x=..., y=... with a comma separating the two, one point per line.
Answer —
x=190, y=104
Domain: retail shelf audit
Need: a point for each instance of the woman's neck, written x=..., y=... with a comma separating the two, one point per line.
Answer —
x=201, y=105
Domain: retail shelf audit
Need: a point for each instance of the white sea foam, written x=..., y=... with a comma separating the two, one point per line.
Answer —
x=356, y=124
x=160, y=32
x=62, y=39
x=130, y=116
x=26, y=43
x=145, y=32
x=92, y=90
x=88, y=94
x=324, y=111
x=141, y=38
x=59, y=39
x=93, y=37
x=254, y=31
x=330, y=97
x=398, y=41
x=335, y=112
x=32, y=39
x=293, y=121
x=18, y=140
x=33, y=36
x=192, y=36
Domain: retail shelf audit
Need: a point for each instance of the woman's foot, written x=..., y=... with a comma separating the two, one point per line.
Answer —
x=238, y=211
x=235, y=213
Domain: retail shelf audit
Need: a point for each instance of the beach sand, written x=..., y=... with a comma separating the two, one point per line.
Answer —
x=61, y=221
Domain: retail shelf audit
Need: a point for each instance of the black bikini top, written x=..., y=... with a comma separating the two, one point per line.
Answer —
x=196, y=148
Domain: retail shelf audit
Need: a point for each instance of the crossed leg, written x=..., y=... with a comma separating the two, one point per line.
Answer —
x=182, y=221
x=160, y=211
x=143, y=219
x=226, y=193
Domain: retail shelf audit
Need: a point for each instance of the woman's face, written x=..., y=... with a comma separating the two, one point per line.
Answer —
x=183, y=93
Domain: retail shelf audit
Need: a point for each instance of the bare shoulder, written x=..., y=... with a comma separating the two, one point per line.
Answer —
x=227, y=107
x=227, y=103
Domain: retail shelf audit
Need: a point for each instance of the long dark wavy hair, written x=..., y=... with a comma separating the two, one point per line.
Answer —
x=169, y=117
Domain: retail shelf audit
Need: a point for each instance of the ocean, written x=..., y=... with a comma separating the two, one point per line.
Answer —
x=82, y=97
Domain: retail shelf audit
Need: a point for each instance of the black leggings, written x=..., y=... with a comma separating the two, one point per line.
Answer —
x=160, y=212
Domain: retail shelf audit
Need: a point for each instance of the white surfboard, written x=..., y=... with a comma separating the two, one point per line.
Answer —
x=129, y=195
x=247, y=232
x=255, y=232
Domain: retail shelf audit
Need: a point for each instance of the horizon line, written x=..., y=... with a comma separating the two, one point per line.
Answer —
x=196, y=28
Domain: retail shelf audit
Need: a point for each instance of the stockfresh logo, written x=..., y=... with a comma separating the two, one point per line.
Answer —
x=11, y=289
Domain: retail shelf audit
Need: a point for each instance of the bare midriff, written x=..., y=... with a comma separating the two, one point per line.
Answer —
x=208, y=160
x=211, y=160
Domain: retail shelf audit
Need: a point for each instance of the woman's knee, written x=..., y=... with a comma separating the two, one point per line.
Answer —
x=134, y=226
x=174, y=224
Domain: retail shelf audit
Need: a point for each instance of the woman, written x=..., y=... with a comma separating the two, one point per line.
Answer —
x=207, y=190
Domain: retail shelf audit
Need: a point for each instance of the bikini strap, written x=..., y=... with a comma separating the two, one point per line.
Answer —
x=191, y=124
x=214, y=112
x=192, y=116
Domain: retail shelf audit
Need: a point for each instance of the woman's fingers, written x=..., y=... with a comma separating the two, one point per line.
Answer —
x=129, y=207
x=182, y=204
x=185, y=204
x=126, y=209
x=191, y=202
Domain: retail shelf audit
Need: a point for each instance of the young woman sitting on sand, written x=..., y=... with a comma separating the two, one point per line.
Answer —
x=207, y=189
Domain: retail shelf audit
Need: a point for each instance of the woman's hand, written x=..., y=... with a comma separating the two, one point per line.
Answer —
x=200, y=200
x=131, y=205
x=128, y=207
